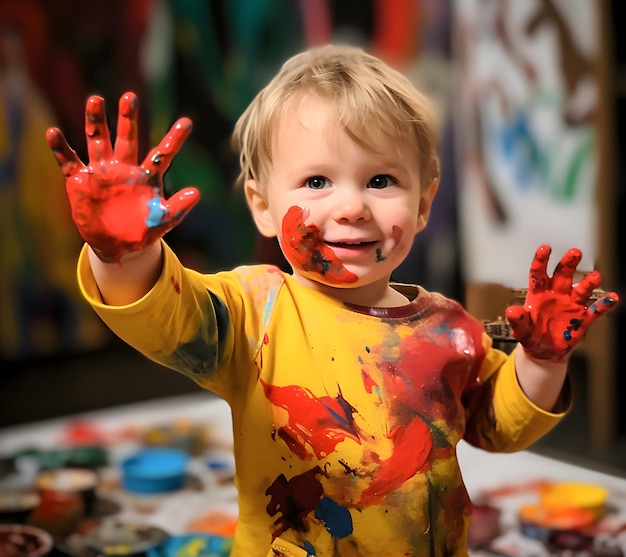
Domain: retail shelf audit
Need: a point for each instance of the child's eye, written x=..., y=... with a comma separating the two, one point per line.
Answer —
x=381, y=181
x=317, y=183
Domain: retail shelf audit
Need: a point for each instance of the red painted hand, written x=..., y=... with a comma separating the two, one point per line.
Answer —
x=557, y=313
x=117, y=205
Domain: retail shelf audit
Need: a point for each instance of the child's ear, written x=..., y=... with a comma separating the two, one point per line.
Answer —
x=426, y=203
x=259, y=208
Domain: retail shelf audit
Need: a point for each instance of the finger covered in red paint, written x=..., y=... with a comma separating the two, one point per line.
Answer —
x=563, y=276
x=127, y=141
x=65, y=156
x=160, y=158
x=538, y=279
x=97, y=131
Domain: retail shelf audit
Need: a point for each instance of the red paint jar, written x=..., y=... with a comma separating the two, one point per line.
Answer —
x=59, y=512
x=485, y=526
x=81, y=481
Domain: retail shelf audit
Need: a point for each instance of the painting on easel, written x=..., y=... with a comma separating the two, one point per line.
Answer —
x=528, y=141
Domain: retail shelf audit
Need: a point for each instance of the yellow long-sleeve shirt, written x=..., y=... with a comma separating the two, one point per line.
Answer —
x=345, y=419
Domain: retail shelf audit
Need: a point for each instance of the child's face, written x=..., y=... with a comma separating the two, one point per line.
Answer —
x=345, y=216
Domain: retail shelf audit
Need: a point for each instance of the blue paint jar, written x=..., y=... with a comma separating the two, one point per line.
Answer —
x=155, y=470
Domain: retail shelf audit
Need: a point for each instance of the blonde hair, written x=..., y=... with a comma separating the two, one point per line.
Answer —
x=365, y=94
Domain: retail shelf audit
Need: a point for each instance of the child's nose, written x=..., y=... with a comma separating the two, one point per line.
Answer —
x=351, y=206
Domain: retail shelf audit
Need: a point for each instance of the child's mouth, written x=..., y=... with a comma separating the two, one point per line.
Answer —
x=350, y=244
x=354, y=248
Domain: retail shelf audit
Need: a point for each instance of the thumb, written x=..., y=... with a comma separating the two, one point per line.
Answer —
x=165, y=214
x=182, y=202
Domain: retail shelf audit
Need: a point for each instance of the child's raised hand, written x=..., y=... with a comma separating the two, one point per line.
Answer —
x=557, y=313
x=117, y=205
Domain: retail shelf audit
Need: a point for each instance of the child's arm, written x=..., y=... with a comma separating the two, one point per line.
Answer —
x=118, y=205
x=131, y=279
x=540, y=380
x=552, y=321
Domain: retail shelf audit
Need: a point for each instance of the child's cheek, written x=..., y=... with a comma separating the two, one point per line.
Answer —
x=392, y=245
x=304, y=249
x=396, y=235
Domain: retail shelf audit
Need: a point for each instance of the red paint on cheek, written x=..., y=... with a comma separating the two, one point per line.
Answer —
x=306, y=251
x=396, y=234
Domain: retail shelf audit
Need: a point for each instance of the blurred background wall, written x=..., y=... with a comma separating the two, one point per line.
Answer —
x=530, y=101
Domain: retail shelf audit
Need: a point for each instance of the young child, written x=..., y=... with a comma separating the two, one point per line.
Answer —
x=348, y=394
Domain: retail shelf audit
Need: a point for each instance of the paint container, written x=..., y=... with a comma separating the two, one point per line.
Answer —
x=197, y=544
x=155, y=470
x=560, y=542
x=81, y=457
x=222, y=467
x=59, y=513
x=182, y=434
x=566, y=508
x=214, y=523
x=81, y=481
x=116, y=538
x=16, y=506
x=21, y=540
x=539, y=522
x=67, y=496
x=485, y=526
x=575, y=495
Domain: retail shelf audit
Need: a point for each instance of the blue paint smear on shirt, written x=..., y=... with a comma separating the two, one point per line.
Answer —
x=336, y=518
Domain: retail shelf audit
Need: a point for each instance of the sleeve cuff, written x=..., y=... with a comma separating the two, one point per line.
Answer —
x=89, y=287
x=526, y=421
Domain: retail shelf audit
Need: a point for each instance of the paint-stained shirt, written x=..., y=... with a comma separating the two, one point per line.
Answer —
x=346, y=418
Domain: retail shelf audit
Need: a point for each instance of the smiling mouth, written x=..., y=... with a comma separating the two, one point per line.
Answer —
x=351, y=245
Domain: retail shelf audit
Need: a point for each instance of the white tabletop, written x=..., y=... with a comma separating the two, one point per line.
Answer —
x=482, y=471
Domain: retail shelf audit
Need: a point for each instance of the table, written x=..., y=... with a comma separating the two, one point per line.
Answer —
x=206, y=492
x=482, y=471
x=522, y=474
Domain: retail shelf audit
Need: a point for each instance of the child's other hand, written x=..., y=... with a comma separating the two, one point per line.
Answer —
x=557, y=313
x=117, y=205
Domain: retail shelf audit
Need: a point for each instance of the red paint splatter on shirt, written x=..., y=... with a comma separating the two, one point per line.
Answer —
x=368, y=382
x=321, y=423
x=293, y=500
x=419, y=384
x=411, y=448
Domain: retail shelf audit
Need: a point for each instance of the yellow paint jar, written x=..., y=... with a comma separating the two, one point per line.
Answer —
x=575, y=495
